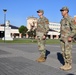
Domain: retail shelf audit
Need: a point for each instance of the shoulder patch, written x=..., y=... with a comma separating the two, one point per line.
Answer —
x=46, y=20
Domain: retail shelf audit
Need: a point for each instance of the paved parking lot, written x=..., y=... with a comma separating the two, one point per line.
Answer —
x=19, y=59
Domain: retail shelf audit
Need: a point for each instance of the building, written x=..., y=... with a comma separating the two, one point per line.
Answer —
x=30, y=21
x=54, y=32
x=14, y=31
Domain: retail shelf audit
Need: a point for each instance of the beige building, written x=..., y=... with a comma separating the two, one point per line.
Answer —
x=30, y=21
x=54, y=27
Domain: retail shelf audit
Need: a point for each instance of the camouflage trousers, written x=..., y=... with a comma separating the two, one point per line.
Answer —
x=67, y=51
x=41, y=45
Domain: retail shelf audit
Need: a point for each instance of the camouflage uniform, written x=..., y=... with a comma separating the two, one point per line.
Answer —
x=42, y=29
x=73, y=33
x=67, y=30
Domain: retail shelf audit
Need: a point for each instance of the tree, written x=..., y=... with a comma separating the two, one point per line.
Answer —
x=32, y=34
x=23, y=29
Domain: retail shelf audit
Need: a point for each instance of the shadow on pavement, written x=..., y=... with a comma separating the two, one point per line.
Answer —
x=47, y=53
x=60, y=58
x=70, y=74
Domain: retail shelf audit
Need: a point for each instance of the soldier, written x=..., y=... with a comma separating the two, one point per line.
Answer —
x=67, y=28
x=41, y=31
x=74, y=31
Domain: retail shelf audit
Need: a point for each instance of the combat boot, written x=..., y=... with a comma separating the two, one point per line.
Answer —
x=66, y=67
x=62, y=67
x=41, y=59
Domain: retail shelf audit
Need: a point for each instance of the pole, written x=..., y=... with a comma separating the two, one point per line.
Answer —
x=4, y=25
x=4, y=22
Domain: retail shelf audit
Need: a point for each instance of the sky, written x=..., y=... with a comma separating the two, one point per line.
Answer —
x=19, y=10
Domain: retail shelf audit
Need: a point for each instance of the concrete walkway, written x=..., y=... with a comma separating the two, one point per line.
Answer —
x=19, y=59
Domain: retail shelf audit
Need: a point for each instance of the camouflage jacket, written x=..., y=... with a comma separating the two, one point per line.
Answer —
x=42, y=25
x=67, y=28
x=73, y=33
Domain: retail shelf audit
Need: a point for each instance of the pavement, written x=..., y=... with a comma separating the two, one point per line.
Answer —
x=19, y=59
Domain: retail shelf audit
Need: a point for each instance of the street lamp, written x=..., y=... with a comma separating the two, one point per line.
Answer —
x=4, y=10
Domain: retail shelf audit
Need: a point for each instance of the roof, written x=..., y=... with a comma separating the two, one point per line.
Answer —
x=52, y=30
x=31, y=17
x=12, y=26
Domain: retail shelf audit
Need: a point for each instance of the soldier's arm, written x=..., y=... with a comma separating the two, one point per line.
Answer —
x=60, y=25
x=46, y=25
x=73, y=31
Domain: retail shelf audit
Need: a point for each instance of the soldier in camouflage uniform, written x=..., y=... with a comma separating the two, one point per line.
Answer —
x=67, y=33
x=41, y=31
x=74, y=29
x=74, y=26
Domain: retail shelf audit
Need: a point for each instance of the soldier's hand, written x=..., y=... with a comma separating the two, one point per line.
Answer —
x=69, y=39
x=44, y=37
x=36, y=37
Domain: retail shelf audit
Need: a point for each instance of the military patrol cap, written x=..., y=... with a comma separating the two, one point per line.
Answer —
x=40, y=11
x=64, y=8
